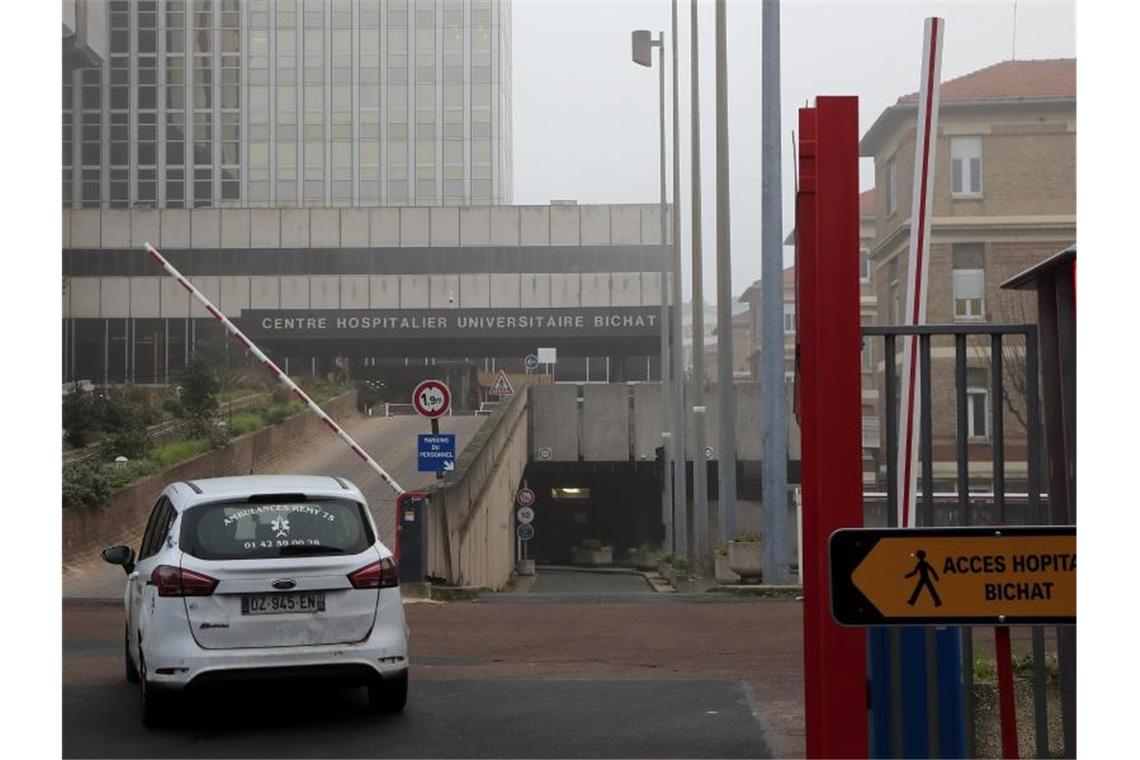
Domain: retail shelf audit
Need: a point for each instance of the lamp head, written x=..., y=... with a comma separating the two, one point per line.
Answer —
x=642, y=47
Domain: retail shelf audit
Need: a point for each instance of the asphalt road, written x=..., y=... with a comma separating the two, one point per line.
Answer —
x=487, y=680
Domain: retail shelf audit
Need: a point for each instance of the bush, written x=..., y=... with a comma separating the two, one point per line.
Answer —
x=245, y=422
x=178, y=451
x=984, y=669
x=591, y=544
x=80, y=418
x=277, y=412
x=173, y=407
x=131, y=442
x=745, y=538
x=121, y=474
x=136, y=403
x=85, y=484
x=200, y=388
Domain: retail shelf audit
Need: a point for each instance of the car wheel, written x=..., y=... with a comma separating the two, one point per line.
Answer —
x=132, y=671
x=389, y=695
x=154, y=702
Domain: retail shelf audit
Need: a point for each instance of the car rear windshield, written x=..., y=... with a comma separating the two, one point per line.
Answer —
x=290, y=528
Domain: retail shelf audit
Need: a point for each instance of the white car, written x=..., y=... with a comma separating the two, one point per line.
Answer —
x=262, y=577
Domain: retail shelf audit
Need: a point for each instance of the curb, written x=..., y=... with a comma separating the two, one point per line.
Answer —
x=758, y=589
x=456, y=593
x=659, y=584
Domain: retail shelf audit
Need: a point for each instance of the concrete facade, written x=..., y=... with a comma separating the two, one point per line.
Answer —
x=286, y=103
x=622, y=422
x=371, y=262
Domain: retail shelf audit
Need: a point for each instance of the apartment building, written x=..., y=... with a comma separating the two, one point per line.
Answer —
x=1004, y=199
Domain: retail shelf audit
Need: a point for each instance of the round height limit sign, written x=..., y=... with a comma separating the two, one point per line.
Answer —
x=431, y=399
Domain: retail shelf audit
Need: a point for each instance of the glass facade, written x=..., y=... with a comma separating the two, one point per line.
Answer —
x=316, y=103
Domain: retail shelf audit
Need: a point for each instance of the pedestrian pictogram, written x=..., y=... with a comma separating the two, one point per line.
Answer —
x=946, y=576
x=502, y=385
x=923, y=570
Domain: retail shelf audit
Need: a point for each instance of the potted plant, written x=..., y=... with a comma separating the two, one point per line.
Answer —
x=593, y=552
x=682, y=575
x=744, y=555
x=643, y=557
x=724, y=573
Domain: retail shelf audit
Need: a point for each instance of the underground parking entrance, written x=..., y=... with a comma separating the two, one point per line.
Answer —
x=579, y=505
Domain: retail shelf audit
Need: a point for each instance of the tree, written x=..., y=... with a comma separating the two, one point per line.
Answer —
x=200, y=388
x=1009, y=308
x=80, y=418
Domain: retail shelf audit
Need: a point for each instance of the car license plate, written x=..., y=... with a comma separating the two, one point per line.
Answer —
x=269, y=604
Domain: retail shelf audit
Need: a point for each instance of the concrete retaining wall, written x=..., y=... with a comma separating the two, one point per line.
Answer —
x=87, y=531
x=470, y=536
x=618, y=422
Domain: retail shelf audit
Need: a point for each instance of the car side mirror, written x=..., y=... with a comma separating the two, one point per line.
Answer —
x=120, y=555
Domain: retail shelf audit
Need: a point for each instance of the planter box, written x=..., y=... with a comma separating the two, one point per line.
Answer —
x=682, y=583
x=643, y=561
x=724, y=573
x=744, y=558
x=594, y=557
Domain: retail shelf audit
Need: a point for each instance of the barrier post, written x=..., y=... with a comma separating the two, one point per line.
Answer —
x=411, y=536
x=829, y=342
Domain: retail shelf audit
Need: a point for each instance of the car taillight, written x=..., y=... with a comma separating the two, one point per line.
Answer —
x=382, y=574
x=175, y=581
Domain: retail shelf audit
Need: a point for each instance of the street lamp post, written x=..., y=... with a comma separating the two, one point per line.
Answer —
x=680, y=500
x=642, y=47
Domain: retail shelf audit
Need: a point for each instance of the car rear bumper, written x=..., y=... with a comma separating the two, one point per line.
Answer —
x=177, y=662
x=337, y=673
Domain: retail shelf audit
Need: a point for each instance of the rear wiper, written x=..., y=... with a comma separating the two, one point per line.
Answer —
x=291, y=550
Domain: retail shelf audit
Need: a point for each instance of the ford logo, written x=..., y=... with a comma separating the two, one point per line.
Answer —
x=284, y=584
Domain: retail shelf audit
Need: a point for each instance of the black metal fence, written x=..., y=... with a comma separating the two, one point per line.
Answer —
x=993, y=507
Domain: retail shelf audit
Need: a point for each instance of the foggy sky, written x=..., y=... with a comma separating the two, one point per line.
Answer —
x=586, y=117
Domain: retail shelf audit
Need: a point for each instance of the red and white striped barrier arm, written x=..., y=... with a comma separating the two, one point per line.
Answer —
x=268, y=363
x=918, y=274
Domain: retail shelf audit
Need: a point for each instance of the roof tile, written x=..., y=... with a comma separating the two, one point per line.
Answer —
x=1012, y=80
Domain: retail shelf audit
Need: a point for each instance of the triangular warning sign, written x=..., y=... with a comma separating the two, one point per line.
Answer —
x=502, y=385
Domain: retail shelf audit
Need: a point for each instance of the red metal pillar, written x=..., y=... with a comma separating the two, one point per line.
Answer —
x=1007, y=709
x=830, y=413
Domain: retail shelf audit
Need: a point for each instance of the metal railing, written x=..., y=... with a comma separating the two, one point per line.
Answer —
x=961, y=497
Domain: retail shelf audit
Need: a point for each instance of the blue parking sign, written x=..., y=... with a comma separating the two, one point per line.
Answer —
x=436, y=452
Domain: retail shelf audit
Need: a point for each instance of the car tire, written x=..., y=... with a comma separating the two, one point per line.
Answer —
x=132, y=671
x=390, y=695
x=155, y=710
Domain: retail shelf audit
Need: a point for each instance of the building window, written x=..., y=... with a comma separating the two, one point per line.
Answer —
x=892, y=186
x=864, y=265
x=969, y=280
x=868, y=356
x=789, y=317
x=977, y=413
x=966, y=165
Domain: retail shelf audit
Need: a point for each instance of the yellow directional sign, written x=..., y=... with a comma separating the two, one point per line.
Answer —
x=964, y=576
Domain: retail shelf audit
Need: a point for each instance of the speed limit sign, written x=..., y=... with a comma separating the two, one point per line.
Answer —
x=525, y=497
x=431, y=398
